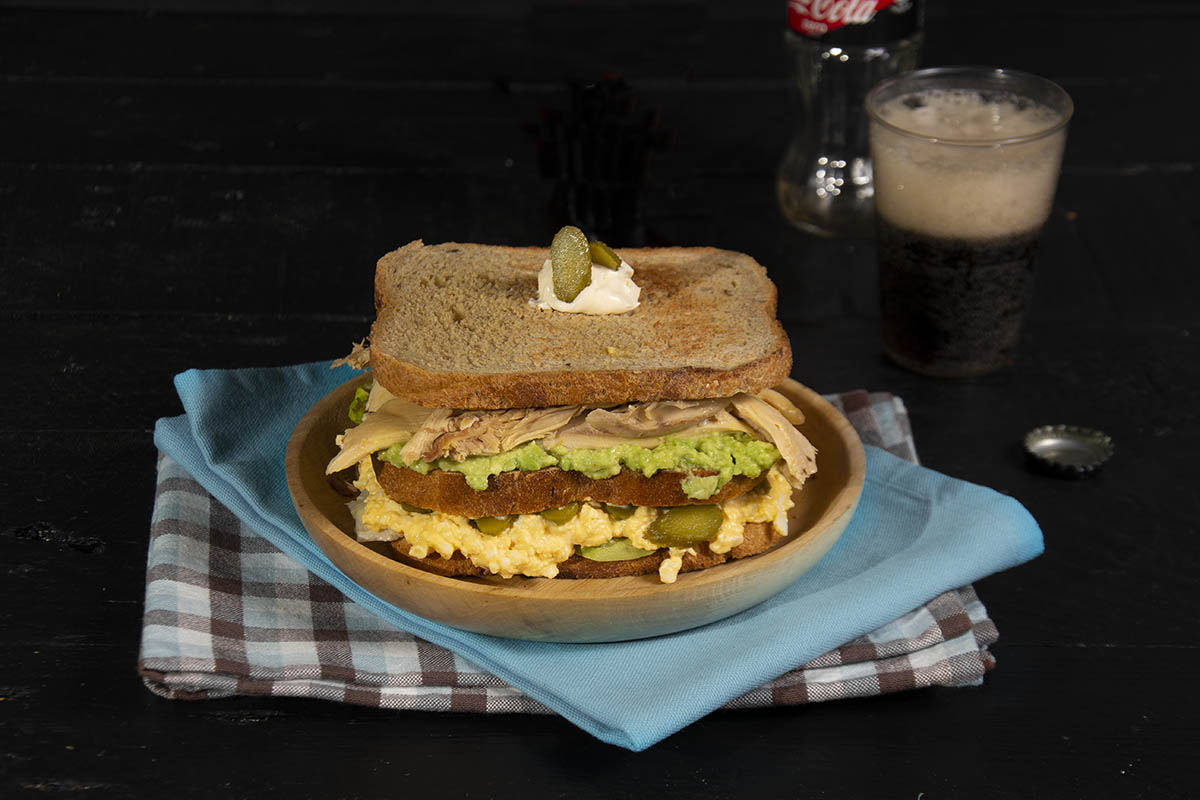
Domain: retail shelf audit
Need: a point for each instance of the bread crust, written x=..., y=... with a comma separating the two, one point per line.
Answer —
x=759, y=538
x=565, y=387
x=519, y=492
x=705, y=328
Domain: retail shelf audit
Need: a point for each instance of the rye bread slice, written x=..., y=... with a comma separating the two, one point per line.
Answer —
x=520, y=492
x=455, y=329
x=759, y=538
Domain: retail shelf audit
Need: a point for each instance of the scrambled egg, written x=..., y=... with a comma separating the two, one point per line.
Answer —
x=533, y=545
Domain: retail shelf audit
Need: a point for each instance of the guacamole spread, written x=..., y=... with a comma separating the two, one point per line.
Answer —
x=728, y=455
x=358, y=406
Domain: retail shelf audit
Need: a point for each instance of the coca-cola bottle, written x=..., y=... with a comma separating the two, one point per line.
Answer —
x=839, y=49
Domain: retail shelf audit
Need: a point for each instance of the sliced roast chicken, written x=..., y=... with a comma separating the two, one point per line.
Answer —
x=429, y=434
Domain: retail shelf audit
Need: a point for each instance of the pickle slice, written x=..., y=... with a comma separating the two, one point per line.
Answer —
x=414, y=509
x=685, y=526
x=603, y=256
x=620, y=512
x=571, y=262
x=560, y=515
x=490, y=526
x=619, y=549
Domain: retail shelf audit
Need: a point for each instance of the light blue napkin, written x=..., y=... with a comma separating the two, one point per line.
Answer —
x=916, y=533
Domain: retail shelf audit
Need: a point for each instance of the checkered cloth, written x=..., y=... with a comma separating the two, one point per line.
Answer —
x=227, y=613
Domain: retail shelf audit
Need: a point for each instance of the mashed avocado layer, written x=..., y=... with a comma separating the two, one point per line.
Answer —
x=727, y=454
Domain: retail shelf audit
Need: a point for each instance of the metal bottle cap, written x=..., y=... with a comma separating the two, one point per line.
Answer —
x=1068, y=451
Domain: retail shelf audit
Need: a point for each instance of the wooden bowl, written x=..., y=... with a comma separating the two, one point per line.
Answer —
x=591, y=609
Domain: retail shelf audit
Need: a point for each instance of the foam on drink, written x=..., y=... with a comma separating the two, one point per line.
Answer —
x=951, y=179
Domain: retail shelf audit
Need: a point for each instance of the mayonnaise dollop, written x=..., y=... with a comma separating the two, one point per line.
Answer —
x=612, y=291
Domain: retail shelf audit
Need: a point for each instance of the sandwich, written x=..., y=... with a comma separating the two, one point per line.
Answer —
x=500, y=434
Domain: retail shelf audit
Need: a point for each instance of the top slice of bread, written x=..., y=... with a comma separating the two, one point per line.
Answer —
x=455, y=328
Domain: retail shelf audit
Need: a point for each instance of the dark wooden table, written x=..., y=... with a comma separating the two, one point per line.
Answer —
x=210, y=185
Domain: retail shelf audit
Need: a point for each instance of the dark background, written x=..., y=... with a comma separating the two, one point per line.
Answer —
x=203, y=184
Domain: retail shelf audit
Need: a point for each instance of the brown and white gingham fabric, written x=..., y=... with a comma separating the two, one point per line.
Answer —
x=226, y=613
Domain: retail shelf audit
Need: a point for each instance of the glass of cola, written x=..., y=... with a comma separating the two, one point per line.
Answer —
x=966, y=163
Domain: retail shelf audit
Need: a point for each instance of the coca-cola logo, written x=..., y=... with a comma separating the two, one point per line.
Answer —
x=815, y=17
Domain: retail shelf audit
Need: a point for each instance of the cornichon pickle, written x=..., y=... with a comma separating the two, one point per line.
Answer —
x=493, y=525
x=620, y=512
x=619, y=549
x=571, y=262
x=685, y=526
x=560, y=515
x=602, y=255
x=414, y=509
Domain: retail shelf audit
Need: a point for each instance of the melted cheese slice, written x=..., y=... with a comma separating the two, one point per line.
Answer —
x=532, y=545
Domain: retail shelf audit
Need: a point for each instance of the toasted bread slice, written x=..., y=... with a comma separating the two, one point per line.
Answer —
x=759, y=537
x=519, y=492
x=455, y=328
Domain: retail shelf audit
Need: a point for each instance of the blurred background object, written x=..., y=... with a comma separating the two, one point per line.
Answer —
x=598, y=153
x=837, y=52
